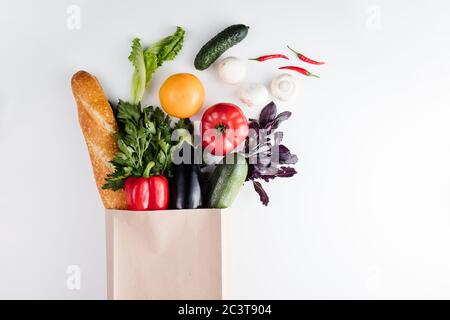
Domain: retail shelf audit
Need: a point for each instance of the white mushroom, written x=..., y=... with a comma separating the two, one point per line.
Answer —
x=253, y=94
x=283, y=87
x=231, y=70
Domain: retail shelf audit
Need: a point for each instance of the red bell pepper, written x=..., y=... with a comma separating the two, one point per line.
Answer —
x=147, y=193
x=224, y=126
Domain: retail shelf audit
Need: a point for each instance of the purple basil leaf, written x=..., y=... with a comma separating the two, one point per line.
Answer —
x=265, y=148
x=253, y=176
x=266, y=152
x=263, y=197
x=253, y=124
x=284, y=116
x=251, y=173
x=253, y=137
x=253, y=132
x=284, y=155
x=280, y=118
x=277, y=137
x=268, y=126
x=267, y=114
x=286, y=172
x=268, y=171
x=251, y=144
x=264, y=159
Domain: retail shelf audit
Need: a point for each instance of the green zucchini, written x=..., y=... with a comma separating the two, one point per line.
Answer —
x=215, y=47
x=226, y=181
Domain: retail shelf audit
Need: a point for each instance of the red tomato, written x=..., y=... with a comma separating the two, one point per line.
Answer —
x=224, y=127
x=147, y=193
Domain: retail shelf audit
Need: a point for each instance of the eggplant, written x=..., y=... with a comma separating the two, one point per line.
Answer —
x=178, y=187
x=187, y=187
x=195, y=196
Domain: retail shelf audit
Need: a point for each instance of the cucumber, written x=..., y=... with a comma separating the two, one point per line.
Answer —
x=215, y=47
x=226, y=181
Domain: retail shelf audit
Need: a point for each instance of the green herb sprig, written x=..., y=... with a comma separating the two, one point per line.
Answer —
x=144, y=141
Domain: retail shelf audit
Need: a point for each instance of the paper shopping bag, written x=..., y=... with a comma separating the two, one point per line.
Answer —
x=171, y=254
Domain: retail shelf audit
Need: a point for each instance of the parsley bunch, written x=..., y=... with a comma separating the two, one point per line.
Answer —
x=144, y=141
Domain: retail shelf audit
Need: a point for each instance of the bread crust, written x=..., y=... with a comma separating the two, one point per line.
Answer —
x=98, y=125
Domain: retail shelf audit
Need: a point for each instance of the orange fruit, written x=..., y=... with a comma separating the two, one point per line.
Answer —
x=182, y=95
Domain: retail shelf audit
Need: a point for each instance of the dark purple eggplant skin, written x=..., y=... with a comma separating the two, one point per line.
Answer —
x=196, y=193
x=187, y=186
x=178, y=187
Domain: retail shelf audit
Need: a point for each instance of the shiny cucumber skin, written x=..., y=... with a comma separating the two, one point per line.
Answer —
x=226, y=182
x=215, y=47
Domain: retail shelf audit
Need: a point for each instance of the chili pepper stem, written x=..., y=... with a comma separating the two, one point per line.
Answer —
x=313, y=75
x=149, y=167
x=304, y=58
x=296, y=52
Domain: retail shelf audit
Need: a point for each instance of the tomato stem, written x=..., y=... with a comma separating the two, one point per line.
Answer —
x=221, y=128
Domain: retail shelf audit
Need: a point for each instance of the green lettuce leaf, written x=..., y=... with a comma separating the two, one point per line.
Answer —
x=151, y=64
x=138, y=81
x=146, y=61
x=167, y=48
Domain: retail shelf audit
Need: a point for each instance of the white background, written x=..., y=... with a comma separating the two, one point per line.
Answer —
x=366, y=217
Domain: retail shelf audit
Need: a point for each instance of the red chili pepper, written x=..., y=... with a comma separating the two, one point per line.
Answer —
x=299, y=70
x=147, y=193
x=270, y=56
x=306, y=59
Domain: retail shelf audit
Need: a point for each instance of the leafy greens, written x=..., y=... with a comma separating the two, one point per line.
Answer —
x=146, y=61
x=144, y=136
x=267, y=157
x=144, y=141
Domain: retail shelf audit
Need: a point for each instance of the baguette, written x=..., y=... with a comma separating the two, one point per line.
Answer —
x=98, y=125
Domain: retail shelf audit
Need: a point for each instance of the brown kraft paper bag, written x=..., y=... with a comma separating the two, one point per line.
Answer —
x=170, y=254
